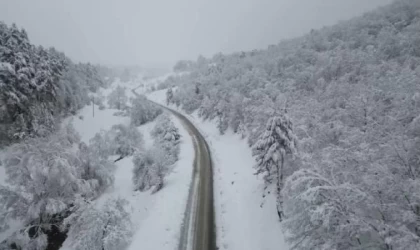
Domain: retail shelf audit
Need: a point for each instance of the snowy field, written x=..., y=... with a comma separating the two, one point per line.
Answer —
x=245, y=221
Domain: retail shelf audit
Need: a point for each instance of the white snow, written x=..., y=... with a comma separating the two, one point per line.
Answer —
x=89, y=125
x=242, y=223
x=145, y=129
x=2, y=170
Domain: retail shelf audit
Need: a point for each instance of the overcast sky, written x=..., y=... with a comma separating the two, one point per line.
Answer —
x=127, y=32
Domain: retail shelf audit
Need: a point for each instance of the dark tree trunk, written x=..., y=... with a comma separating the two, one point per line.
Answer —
x=278, y=189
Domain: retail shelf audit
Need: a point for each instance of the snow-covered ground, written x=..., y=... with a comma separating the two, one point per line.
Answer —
x=161, y=228
x=88, y=125
x=157, y=217
x=244, y=219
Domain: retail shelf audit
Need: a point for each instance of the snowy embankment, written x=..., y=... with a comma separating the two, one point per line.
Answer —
x=157, y=217
x=244, y=219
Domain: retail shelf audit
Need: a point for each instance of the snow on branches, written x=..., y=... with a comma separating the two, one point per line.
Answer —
x=106, y=227
x=151, y=166
x=270, y=151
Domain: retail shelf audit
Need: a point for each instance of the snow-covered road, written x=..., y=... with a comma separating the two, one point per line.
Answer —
x=198, y=227
x=198, y=231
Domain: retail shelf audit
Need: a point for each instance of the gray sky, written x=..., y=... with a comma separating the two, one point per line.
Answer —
x=163, y=31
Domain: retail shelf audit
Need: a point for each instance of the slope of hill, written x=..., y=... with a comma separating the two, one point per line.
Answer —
x=350, y=96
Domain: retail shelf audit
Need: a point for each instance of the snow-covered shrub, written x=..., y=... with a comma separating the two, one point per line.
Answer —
x=126, y=139
x=97, y=168
x=143, y=111
x=119, y=140
x=151, y=166
x=95, y=227
x=149, y=169
x=117, y=98
x=165, y=129
x=102, y=144
x=122, y=113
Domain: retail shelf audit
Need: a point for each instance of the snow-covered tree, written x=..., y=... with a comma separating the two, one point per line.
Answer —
x=117, y=99
x=120, y=140
x=102, y=144
x=37, y=86
x=22, y=240
x=274, y=145
x=143, y=111
x=182, y=66
x=96, y=167
x=169, y=96
x=126, y=139
x=165, y=129
x=166, y=137
x=106, y=227
x=352, y=92
x=47, y=176
x=149, y=169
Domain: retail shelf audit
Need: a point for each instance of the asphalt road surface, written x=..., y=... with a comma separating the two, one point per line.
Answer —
x=198, y=227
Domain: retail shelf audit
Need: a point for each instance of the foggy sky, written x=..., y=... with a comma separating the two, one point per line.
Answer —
x=123, y=32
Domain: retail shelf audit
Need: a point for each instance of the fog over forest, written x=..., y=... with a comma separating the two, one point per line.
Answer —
x=145, y=32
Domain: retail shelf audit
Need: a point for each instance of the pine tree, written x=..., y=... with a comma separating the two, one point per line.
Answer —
x=274, y=145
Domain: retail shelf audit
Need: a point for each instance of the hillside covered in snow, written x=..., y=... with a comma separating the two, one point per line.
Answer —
x=333, y=121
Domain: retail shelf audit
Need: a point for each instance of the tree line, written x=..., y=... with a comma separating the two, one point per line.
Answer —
x=38, y=86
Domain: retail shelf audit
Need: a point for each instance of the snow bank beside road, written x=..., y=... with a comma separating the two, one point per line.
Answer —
x=241, y=221
x=161, y=228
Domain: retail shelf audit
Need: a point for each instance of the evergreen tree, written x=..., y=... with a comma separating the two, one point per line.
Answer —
x=271, y=149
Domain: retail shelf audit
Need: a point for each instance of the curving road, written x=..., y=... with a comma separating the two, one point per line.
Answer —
x=198, y=227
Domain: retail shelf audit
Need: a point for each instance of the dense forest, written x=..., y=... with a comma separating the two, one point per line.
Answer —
x=53, y=179
x=38, y=86
x=50, y=173
x=333, y=118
